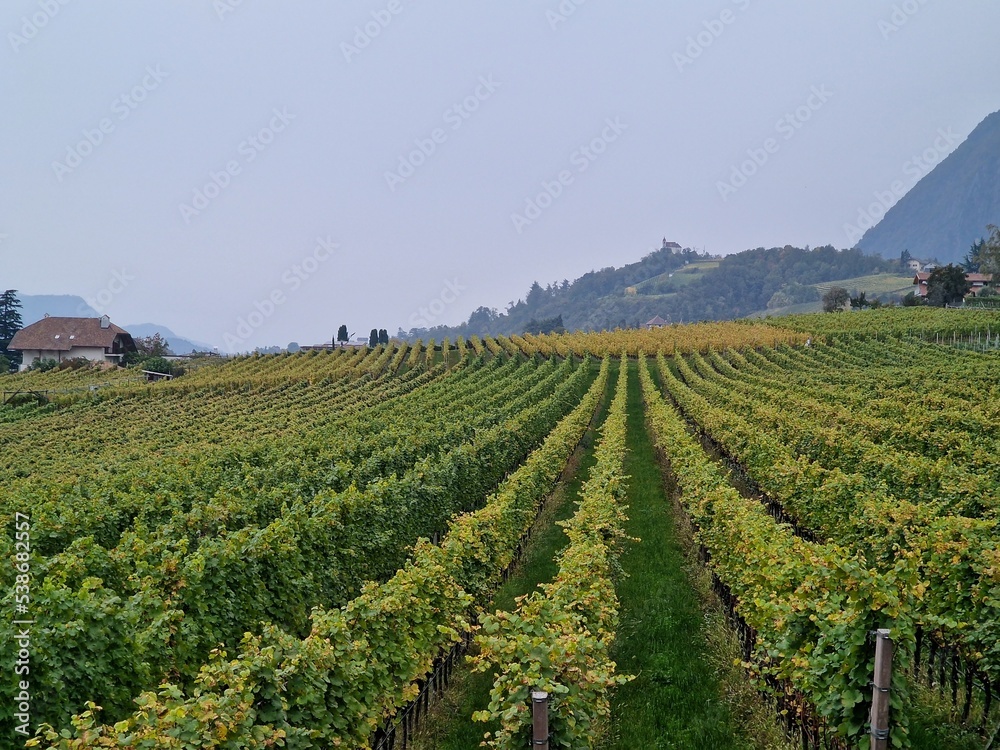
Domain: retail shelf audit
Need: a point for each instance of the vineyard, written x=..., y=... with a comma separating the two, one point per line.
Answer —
x=285, y=550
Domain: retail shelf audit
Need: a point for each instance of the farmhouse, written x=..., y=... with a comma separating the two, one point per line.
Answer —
x=656, y=322
x=96, y=339
x=979, y=282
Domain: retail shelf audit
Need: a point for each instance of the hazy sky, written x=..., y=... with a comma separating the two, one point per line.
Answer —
x=253, y=172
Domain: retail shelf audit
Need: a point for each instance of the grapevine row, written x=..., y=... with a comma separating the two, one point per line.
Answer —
x=360, y=663
x=558, y=640
x=811, y=606
x=158, y=602
x=954, y=558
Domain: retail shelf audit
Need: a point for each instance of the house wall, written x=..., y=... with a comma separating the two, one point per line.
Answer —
x=28, y=358
x=93, y=353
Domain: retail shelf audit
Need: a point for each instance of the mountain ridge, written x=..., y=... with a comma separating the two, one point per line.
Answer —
x=950, y=207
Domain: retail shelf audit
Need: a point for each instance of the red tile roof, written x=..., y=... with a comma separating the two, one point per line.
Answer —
x=62, y=334
x=977, y=280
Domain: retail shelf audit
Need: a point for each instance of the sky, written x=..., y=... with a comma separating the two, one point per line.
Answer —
x=256, y=172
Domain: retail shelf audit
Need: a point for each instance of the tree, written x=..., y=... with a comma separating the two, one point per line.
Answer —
x=482, y=319
x=10, y=315
x=159, y=364
x=835, y=299
x=973, y=258
x=152, y=346
x=342, y=335
x=536, y=295
x=43, y=365
x=912, y=300
x=150, y=354
x=904, y=260
x=992, y=248
x=383, y=336
x=947, y=285
x=860, y=302
x=984, y=255
x=791, y=294
x=373, y=338
x=550, y=325
x=10, y=322
x=5, y=365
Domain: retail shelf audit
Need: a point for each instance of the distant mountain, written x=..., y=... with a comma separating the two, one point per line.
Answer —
x=34, y=307
x=948, y=210
x=178, y=345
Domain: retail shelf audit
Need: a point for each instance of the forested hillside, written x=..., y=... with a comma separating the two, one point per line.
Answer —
x=682, y=287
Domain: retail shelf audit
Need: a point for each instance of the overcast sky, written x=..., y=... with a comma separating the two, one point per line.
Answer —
x=253, y=172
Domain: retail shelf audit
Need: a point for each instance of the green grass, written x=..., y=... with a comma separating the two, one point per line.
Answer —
x=687, y=694
x=873, y=286
x=684, y=695
x=935, y=723
x=880, y=283
x=680, y=277
x=450, y=725
x=803, y=308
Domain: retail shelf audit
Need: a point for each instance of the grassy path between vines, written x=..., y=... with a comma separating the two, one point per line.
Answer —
x=450, y=725
x=686, y=693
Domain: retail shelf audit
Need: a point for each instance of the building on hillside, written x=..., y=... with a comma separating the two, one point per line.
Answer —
x=979, y=282
x=656, y=322
x=59, y=339
x=360, y=342
x=672, y=246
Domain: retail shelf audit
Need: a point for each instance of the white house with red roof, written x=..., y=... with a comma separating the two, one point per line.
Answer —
x=59, y=339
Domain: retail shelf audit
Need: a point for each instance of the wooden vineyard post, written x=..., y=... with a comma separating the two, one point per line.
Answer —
x=540, y=719
x=880, y=691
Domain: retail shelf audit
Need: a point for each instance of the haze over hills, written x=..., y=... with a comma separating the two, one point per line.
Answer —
x=677, y=285
x=949, y=209
x=686, y=287
x=943, y=214
x=178, y=344
x=34, y=307
x=940, y=217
